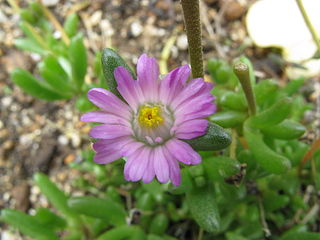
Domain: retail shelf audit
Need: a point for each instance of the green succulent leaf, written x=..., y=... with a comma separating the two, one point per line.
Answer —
x=29, y=45
x=273, y=115
x=264, y=89
x=265, y=156
x=27, y=224
x=216, y=138
x=159, y=224
x=50, y=219
x=78, y=59
x=221, y=167
x=110, y=61
x=301, y=236
x=233, y=101
x=104, y=209
x=71, y=25
x=203, y=207
x=56, y=77
x=123, y=233
x=33, y=86
x=287, y=130
x=228, y=119
x=293, y=86
x=57, y=198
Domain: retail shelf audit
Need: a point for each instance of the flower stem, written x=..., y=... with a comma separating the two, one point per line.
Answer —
x=309, y=24
x=242, y=72
x=191, y=12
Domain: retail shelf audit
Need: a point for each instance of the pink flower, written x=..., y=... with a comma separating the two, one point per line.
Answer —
x=147, y=129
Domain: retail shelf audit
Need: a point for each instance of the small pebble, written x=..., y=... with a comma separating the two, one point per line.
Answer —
x=75, y=140
x=6, y=235
x=63, y=140
x=6, y=101
x=50, y=3
x=136, y=29
x=96, y=18
x=182, y=42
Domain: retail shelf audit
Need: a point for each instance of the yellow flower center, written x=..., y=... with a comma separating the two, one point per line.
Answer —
x=150, y=116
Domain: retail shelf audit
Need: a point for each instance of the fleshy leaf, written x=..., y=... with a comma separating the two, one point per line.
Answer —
x=104, y=209
x=228, y=119
x=33, y=86
x=110, y=61
x=203, y=207
x=265, y=156
x=216, y=138
x=27, y=224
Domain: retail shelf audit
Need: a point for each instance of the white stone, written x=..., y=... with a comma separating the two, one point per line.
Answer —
x=182, y=42
x=63, y=140
x=136, y=29
x=49, y=3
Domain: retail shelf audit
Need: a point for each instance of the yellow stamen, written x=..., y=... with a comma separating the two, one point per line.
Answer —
x=150, y=116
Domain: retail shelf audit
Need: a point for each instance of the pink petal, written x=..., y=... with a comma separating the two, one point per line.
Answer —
x=115, y=144
x=107, y=131
x=131, y=160
x=137, y=163
x=148, y=76
x=191, y=129
x=103, y=117
x=106, y=157
x=193, y=87
x=161, y=166
x=128, y=87
x=130, y=148
x=149, y=173
x=183, y=152
x=108, y=102
x=204, y=111
x=108, y=150
x=173, y=83
x=175, y=175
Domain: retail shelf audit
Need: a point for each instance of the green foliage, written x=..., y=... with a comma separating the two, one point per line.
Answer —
x=110, y=61
x=216, y=138
x=104, y=209
x=63, y=62
x=204, y=209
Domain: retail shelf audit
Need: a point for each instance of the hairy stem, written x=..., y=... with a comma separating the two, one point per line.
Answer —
x=191, y=12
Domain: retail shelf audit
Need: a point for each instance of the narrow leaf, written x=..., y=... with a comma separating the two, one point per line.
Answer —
x=221, y=167
x=273, y=115
x=110, y=61
x=287, y=130
x=99, y=208
x=266, y=157
x=29, y=45
x=216, y=138
x=228, y=119
x=71, y=25
x=54, y=194
x=78, y=59
x=27, y=225
x=33, y=86
x=203, y=207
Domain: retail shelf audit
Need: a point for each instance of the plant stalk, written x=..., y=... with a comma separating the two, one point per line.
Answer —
x=243, y=74
x=309, y=24
x=191, y=13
